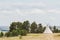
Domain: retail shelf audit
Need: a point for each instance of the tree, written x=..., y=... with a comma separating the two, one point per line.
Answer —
x=40, y=28
x=19, y=25
x=23, y=32
x=55, y=30
x=33, y=27
x=44, y=29
x=1, y=34
x=50, y=27
x=18, y=28
x=8, y=34
x=16, y=33
x=26, y=25
x=13, y=26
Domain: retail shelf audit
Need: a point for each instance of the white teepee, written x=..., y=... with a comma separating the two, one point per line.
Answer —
x=47, y=30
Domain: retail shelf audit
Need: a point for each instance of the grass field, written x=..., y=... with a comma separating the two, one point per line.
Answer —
x=55, y=36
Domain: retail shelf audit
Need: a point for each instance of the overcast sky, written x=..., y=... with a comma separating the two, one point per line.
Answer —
x=41, y=11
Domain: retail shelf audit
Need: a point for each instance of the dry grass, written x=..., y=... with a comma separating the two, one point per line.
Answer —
x=35, y=37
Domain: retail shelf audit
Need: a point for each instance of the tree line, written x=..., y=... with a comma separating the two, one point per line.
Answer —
x=31, y=28
x=22, y=28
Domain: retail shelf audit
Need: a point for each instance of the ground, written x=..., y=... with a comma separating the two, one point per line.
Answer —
x=55, y=36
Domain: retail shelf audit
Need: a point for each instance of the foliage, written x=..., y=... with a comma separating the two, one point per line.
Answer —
x=16, y=33
x=18, y=25
x=22, y=28
x=8, y=34
x=26, y=26
x=33, y=27
x=20, y=37
x=23, y=32
x=44, y=29
x=40, y=28
x=13, y=26
x=55, y=30
x=1, y=34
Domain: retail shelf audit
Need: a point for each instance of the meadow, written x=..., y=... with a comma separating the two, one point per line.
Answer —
x=54, y=36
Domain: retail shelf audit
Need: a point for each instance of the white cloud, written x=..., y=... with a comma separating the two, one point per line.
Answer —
x=21, y=12
x=31, y=11
x=52, y=18
x=21, y=4
x=37, y=11
x=28, y=11
x=53, y=11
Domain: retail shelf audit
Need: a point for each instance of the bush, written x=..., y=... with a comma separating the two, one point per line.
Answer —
x=20, y=37
x=16, y=33
x=19, y=32
x=8, y=34
x=23, y=32
x=11, y=34
x=1, y=34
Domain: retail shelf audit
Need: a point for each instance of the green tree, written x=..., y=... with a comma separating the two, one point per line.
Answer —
x=33, y=27
x=13, y=26
x=8, y=34
x=55, y=30
x=23, y=32
x=44, y=29
x=19, y=25
x=50, y=27
x=40, y=28
x=1, y=34
x=26, y=25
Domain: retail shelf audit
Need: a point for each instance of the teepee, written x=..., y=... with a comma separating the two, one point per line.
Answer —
x=47, y=30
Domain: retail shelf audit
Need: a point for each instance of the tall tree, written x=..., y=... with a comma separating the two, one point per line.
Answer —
x=40, y=28
x=44, y=29
x=55, y=30
x=19, y=25
x=13, y=26
x=33, y=27
x=26, y=25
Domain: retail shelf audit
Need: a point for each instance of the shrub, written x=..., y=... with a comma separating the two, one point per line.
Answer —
x=8, y=34
x=1, y=34
x=11, y=34
x=16, y=33
x=23, y=32
x=20, y=37
x=19, y=32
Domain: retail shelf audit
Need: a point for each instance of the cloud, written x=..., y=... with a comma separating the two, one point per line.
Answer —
x=23, y=12
x=11, y=5
x=31, y=11
x=34, y=11
x=53, y=11
x=38, y=11
x=28, y=12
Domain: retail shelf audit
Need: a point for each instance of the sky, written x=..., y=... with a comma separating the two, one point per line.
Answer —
x=41, y=11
